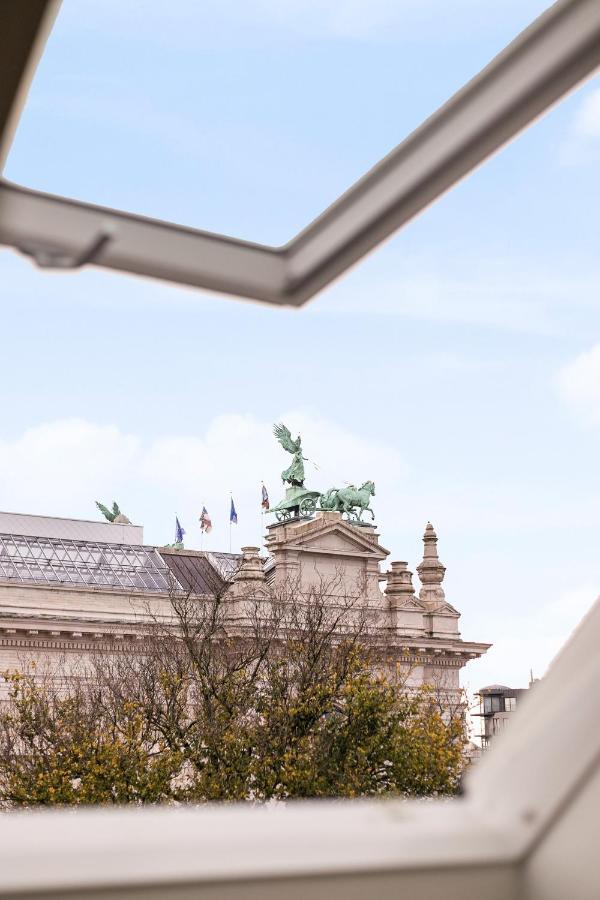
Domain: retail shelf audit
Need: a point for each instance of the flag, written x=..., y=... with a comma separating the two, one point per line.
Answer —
x=205, y=523
x=232, y=513
x=265, y=498
x=179, y=531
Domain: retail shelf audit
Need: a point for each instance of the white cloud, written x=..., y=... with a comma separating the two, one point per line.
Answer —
x=578, y=385
x=587, y=119
x=582, y=144
x=61, y=467
x=52, y=466
x=511, y=293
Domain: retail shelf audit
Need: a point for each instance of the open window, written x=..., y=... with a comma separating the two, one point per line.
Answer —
x=548, y=59
x=509, y=836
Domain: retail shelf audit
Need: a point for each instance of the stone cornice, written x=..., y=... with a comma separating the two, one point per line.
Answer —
x=345, y=553
x=34, y=639
x=26, y=642
x=67, y=623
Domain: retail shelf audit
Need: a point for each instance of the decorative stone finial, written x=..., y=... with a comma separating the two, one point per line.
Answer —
x=431, y=570
x=399, y=587
x=251, y=568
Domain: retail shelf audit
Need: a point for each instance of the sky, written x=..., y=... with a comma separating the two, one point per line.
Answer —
x=458, y=367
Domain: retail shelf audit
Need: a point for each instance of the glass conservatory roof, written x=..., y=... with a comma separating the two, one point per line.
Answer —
x=122, y=567
x=226, y=564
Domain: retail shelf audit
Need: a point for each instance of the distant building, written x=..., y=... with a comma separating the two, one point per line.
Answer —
x=497, y=703
x=69, y=588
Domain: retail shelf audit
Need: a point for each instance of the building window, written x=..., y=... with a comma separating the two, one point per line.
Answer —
x=493, y=704
x=510, y=704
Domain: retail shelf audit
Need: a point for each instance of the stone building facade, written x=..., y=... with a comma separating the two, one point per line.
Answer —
x=69, y=588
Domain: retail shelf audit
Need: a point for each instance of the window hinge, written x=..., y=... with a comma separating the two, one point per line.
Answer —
x=52, y=258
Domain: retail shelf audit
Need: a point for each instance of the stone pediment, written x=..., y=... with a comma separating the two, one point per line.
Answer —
x=445, y=609
x=329, y=534
x=410, y=603
x=337, y=541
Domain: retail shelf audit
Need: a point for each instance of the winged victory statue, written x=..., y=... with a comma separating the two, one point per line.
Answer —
x=294, y=474
x=298, y=500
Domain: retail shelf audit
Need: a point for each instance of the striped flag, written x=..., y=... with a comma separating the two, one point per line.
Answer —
x=205, y=522
x=265, y=498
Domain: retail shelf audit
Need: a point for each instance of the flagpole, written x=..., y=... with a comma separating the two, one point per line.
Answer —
x=263, y=499
x=230, y=501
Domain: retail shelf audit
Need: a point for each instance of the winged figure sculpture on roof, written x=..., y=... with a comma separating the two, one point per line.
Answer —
x=294, y=474
x=115, y=515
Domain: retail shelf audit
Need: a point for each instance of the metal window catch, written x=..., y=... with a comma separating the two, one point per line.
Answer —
x=53, y=258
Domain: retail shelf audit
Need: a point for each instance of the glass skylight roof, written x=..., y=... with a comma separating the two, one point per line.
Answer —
x=243, y=118
x=83, y=563
x=226, y=564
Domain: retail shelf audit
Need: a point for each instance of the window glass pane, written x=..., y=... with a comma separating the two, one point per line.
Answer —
x=246, y=118
x=457, y=366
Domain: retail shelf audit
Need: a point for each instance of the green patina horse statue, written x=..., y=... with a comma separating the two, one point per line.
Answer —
x=350, y=500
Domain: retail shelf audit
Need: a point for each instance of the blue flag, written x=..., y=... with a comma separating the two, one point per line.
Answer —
x=179, y=531
x=232, y=513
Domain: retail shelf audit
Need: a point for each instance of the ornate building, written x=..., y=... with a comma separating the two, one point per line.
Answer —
x=69, y=587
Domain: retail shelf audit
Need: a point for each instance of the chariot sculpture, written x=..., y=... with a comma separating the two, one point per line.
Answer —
x=350, y=500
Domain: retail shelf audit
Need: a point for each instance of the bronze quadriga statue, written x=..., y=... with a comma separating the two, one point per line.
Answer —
x=299, y=501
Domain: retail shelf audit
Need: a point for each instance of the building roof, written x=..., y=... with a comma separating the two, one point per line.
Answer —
x=32, y=559
x=53, y=561
x=56, y=551
x=71, y=529
x=499, y=689
x=226, y=564
x=201, y=573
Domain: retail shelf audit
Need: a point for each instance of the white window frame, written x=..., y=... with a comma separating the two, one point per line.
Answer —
x=539, y=785
x=539, y=780
x=540, y=66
